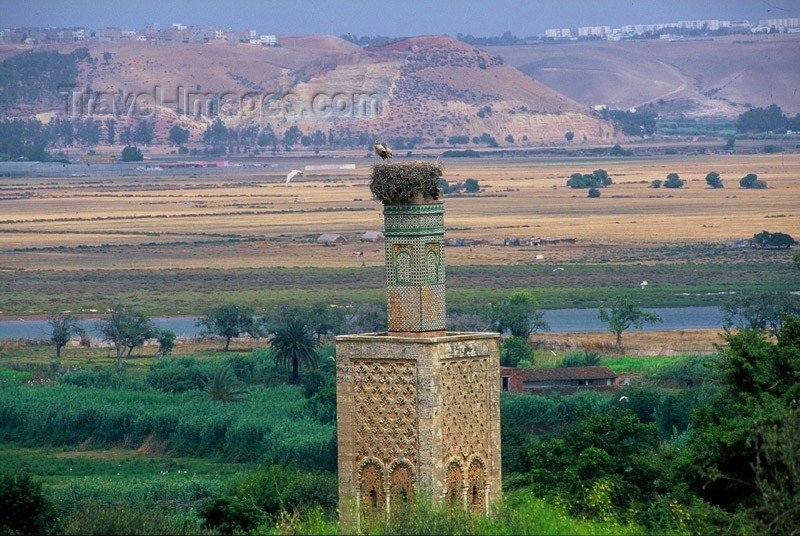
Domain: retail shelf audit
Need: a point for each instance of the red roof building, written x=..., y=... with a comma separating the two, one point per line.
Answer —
x=564, y=380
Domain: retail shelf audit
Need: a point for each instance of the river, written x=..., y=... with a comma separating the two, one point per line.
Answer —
x=560, y=320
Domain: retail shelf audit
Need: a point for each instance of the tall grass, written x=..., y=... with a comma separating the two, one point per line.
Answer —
x=272, y=424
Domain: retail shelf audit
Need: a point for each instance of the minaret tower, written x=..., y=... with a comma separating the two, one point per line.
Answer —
x=418, y=408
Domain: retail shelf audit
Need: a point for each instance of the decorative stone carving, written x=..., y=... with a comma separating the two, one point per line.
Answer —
x=385, y=413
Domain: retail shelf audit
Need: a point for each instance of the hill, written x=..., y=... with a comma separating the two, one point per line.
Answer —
x=695, y=78
x=424, y=88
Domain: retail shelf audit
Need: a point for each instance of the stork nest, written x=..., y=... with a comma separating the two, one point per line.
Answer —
x=401, y=183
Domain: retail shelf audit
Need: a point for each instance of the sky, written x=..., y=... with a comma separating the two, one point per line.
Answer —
x=394, y=18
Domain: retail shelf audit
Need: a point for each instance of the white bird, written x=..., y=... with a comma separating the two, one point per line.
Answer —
x=643, y=284
x=552, y=352
x=559, y=269
x=381, y=150
x=623, y=398
x=292, y=174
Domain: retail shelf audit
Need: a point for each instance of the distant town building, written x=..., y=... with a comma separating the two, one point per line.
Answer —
x=558, y=33
x=593, y=31
x=780, y=24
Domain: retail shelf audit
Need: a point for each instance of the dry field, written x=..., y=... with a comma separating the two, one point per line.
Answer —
x=149, y=220
x=636, y=343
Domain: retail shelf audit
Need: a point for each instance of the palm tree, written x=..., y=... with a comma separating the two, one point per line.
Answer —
x=294, y=343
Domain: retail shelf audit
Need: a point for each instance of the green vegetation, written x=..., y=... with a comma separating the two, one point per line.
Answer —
x=695, y=127
x=622, y=314
x=676, y=454
x=714, y=271
x=751, y=181
x=518, y=314
x=673, y=181
x=765, y=239
x=713, y=180
x=131, y=154
x=597, y=179
x=769, y=119
x=34, y=76
x=229, y=321
x=593, y=192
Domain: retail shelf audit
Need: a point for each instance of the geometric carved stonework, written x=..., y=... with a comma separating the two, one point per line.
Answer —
x=384, y=393
x=465, y=399
x=417, y=414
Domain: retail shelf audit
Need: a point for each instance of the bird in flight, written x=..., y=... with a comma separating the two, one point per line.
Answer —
x=382, y=152
x=292, y=174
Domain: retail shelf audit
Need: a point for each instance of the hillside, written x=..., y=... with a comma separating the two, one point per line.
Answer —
x=711, y=78
x=429, y=88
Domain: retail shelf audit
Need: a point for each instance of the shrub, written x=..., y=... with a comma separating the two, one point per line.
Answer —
x=580, y=359
x=713, y=180
x=230, y=514
x=513, y=350
x=471, y=185
x=673, y=181
x=593, y=192
x=23, y=508
x=597, y=179
x=751, y=181
x=656, y=183
x=131, y=154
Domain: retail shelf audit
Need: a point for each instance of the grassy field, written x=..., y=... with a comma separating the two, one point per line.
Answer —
x=188, y=292
x=253, y=219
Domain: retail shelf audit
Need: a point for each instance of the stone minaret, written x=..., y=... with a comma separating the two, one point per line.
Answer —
x=418, y=408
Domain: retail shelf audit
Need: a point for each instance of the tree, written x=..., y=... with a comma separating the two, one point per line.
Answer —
x=125, y=135
x=24, y=509
x=656, y=183
x=178, y=135
x=216, y=133
x=126, y=328
x=713, y=180
x=594, y=192
x=64, y=327
x=767, y=119
x=111, y=126
x=514, y=350
x=519, y=313
x=765, y=239
x=294, y=344
x=726, y=459
x=597, y=179
x=471, y=186
x=166, y=341
x=144, y=133
x=673, y=181
x=131, y=154
x=729, y=143
x=751, y=181
x=759, y=311
x=569, y=135
x=291, y=136
x=510, y=138
x=622, y=314
x=229, y=321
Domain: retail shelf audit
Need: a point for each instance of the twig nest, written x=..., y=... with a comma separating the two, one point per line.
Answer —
x=405, y=183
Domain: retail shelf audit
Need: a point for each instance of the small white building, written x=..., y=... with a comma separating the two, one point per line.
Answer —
x=269, y=40
x=372, y=236
x=331, y=239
